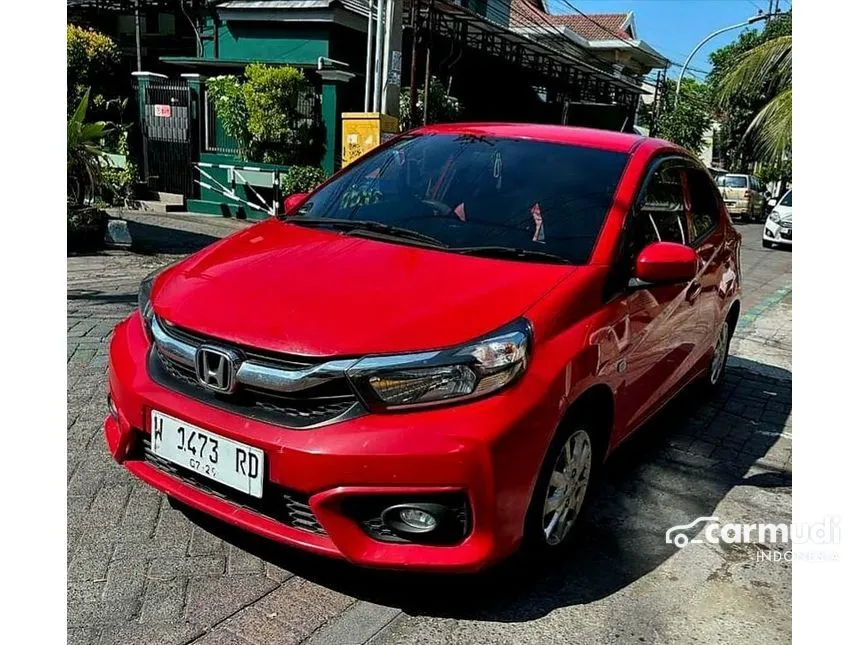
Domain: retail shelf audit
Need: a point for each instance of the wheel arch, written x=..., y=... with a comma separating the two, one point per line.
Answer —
x=597, y=405
x=733, y=316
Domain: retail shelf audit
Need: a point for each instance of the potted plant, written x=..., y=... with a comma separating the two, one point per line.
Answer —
x=85, y=166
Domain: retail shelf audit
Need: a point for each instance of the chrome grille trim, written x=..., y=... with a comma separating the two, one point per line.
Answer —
x=271, y=377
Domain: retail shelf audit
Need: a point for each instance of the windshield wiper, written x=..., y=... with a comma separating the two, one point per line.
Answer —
x=510, y=252
x=348, y=225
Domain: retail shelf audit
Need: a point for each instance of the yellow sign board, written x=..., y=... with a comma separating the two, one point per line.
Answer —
x=363, y=131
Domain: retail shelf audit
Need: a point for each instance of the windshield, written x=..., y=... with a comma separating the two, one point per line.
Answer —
x=732, y=181
x=786, y=200
x=467, y=191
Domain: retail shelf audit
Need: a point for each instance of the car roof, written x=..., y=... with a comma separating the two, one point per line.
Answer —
x=589, y=137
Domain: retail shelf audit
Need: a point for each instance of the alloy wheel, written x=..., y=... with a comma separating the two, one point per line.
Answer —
x=568, y=484
x=721, y=350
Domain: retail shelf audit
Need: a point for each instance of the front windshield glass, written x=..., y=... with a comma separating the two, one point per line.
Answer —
x=786, y=200
x=467, y=191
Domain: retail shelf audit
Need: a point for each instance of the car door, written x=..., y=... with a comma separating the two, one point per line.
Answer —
x=661, y=323
x=716, y=278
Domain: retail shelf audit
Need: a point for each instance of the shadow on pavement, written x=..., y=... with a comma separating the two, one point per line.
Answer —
x=104, y=297
x=677, y=468
x=149, y=238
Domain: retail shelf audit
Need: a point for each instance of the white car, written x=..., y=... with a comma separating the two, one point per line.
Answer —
x=777, y=227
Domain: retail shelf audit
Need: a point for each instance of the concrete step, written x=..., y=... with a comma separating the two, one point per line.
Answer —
x=153, y=206
x=170, y=198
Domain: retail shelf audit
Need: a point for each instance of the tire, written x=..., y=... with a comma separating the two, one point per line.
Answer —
x=766, y=244
x=716, y=372
x=563, y=489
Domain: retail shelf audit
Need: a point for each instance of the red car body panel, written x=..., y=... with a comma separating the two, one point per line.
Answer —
x=323, y=294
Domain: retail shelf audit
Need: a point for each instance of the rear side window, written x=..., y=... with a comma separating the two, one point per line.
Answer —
x=661, y=216
x=704, y=208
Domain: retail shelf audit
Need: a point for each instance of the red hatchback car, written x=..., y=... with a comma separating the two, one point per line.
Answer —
x=426, y=361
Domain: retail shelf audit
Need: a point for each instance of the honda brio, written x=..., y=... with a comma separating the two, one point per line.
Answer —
x=425, y=362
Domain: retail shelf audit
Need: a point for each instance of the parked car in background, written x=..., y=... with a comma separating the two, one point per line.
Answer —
x=427, y=360
x=745, y=196
x=777, y=227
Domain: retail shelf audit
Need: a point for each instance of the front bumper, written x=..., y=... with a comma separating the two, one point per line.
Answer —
x=482, y=450
x=773, y=232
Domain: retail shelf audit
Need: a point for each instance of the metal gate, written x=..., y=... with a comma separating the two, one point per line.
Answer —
x=169, y=128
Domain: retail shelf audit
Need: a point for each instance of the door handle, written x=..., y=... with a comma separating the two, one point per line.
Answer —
x=694, y=290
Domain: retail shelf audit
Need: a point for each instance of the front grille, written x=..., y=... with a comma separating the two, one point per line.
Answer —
x=323, y=403
x=278, y=503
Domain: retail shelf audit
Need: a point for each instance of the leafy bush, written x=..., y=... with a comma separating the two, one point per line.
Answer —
x=85, y=228
x=442, y=107
x=228, y=99
x=263, y=114
x=92, y=62
x=85, y=156
x=301, y=179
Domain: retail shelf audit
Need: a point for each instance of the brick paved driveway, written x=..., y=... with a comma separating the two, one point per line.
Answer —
x=141, y=571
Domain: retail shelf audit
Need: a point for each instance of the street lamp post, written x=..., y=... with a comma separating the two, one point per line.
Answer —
x=746, y=22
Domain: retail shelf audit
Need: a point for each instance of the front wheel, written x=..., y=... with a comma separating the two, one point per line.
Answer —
x=561, y=491
x=717, y=368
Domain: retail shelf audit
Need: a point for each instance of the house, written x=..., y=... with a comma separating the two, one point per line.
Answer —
x=496, y=69
x=608, y=38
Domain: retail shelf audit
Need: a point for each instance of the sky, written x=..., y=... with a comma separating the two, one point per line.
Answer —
x=674, y=27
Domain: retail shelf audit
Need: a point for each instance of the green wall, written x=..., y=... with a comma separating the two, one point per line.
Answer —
x=273, y=42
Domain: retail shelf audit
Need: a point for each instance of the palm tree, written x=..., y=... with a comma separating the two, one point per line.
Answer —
x=768, y=68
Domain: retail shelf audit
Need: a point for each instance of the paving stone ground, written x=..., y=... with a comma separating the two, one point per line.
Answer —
x=141, y=571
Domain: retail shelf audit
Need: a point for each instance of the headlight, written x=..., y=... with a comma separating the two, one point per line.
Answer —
x=144, y=303
x=425, y=378
x=774, y=217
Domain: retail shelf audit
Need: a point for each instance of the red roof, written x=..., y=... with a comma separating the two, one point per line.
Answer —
x=609, y=26
x=596, y=26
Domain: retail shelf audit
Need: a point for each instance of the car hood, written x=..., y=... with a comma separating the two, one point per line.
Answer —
x=285, y=288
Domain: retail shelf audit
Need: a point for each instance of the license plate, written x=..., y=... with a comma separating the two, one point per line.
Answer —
x=223, y=460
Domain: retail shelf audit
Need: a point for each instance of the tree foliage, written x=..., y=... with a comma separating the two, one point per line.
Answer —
x=92, y=63
x=267, y=114
x=751, y=88
x=441, y=108
x=687, y=122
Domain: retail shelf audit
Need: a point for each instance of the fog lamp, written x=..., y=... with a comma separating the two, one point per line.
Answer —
x=418, y=519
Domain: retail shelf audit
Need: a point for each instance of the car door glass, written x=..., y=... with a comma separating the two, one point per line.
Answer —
x=704, y=208
x=661, y=216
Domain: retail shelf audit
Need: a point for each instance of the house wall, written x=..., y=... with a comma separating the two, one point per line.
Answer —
x=269, y=42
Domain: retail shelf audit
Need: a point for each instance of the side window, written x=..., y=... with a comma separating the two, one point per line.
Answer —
x=661, y=217
x=704, y=208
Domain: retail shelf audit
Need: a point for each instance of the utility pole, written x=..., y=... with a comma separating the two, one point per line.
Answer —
x=368, y=69
x=392, y=57
x=658, y=103
x=137, y=33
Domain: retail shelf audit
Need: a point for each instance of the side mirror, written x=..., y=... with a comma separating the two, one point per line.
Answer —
x=292, y=202
x=666, y=262
x=771, y=202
